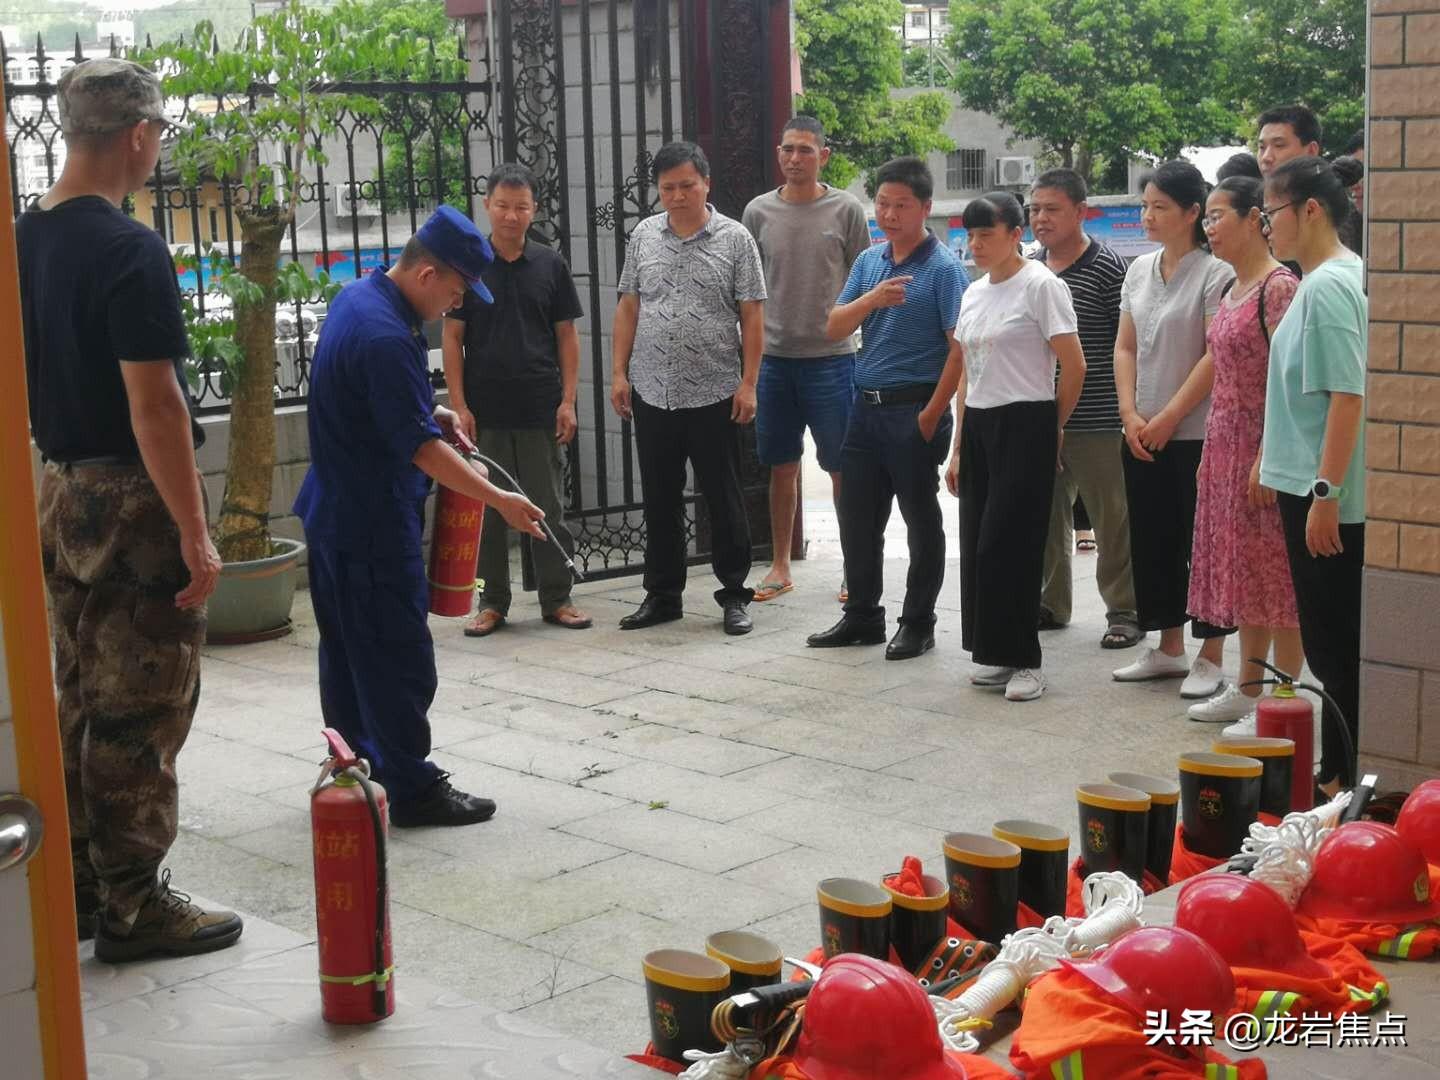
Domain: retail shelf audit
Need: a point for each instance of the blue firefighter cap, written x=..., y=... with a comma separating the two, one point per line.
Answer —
x=456, y=241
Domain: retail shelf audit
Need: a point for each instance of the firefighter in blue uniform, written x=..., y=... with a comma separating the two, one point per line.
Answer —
x=376, y=442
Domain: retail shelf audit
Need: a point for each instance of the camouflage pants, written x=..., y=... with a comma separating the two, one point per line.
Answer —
x=127, y=669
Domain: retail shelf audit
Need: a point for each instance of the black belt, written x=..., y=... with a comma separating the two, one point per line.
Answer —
x=898, y=395
x=101, y=460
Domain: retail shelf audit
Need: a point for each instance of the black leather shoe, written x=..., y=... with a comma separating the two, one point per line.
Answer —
x=444, y=804
x=848, y=631
x=908, y=643
x=653, y=611
x=737, y=619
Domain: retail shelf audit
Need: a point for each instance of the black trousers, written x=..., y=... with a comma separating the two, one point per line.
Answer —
x=706, y=438
x=1007, y=479
x=1161, y=499
x=885, y=459
x=1327, y=593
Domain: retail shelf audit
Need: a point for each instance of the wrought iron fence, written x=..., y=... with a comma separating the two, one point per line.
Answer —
x=386, y=172
x=582, y=93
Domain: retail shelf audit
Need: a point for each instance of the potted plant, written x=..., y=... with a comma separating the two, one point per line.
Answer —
x=275, y=100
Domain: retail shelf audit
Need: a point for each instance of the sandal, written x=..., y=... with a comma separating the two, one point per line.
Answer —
x=1121, y=635
x=484, y=623
x=570, y=617
x=769, y=590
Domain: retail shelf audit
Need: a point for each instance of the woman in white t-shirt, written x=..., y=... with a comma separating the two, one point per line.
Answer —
x=1015, y=323
x=1163, y=374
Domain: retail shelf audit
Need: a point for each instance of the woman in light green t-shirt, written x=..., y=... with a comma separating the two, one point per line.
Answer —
x=1313, y=455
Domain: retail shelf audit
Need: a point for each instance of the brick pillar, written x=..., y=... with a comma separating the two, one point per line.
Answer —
x=1400, y=681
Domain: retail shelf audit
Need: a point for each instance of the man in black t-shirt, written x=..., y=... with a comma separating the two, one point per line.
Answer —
x=511, y=369
x=124, y=540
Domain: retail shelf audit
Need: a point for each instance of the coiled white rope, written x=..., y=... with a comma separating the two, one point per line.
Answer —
x=1112, y=907
x=1285, y=853
x=726, y=1065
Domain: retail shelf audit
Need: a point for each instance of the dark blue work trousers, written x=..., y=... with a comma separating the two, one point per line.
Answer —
x=886, y=460
x=377, y=663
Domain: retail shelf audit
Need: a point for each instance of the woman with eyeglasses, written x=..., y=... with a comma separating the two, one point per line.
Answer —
x=1239, y=573
x=1017, y=325
x=1163, y=375
x=1314, y=443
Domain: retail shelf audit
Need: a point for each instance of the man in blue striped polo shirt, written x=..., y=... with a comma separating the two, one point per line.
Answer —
x=904, y=297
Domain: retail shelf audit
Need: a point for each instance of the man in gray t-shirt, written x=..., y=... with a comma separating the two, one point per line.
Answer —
x=809, y=233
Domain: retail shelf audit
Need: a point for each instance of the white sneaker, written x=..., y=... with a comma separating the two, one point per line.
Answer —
x=1204, y=680
x=1230, y=704
x=1026, y=684
x=1153, y=664
x=1244, y=728
x=991, y=677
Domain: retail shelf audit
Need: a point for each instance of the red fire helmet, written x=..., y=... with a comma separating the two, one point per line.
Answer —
x=866, y=1019
x=1419, y=820
x=1159, y=968
x=1368, y=871
x=1247, y=922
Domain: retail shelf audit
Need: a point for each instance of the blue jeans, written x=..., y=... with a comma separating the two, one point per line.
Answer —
x=793, y=394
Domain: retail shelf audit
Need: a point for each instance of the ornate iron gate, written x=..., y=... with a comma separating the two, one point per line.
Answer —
x=581, y=91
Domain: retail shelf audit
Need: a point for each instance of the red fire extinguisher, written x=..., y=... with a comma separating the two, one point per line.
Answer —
x=1286, y=715
x=454, y=552
x=349, y=819
x=455, y=545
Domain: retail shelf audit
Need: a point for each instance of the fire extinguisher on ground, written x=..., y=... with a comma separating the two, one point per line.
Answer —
x=349, y=819
x=1286, y=715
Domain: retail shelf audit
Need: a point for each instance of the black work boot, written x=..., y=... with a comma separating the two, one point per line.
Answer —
x=167, y=923
x=443, y=804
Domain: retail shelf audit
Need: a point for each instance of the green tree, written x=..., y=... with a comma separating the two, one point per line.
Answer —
x=417, y=129
x=850, y=55
x=1306, y=51
x=1099, y=79
x=259, y=143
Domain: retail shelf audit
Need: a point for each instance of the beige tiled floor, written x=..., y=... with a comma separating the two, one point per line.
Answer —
x=253, y=1013
x=657, y=786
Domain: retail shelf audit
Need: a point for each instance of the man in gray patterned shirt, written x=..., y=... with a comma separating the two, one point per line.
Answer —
x=689, y=329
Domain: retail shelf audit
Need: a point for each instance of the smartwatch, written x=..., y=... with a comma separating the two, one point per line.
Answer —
x=1324, y=490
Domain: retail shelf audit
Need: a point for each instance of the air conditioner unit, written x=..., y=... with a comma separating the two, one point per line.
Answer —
x=348, y=204
x=1014, y=171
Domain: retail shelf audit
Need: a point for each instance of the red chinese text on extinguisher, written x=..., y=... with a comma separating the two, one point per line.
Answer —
x=349, y=819
x=455, y=546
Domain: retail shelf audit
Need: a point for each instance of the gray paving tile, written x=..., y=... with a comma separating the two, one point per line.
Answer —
x=690, y=750
x=827, y=781
x=484, y=967
x=511, y=907
x=615, y=940
x=677, y=893
x=687, y=713
x=714, y=798
x=610, y=1013
x=532, y=800
x=552, y=719
x=702, y=845
x=814, y=739
x=521, y=850
x=698, y=682
x=567, y=687
x=533, y=755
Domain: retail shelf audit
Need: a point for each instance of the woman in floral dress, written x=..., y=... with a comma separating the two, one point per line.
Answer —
x=1240, y=575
